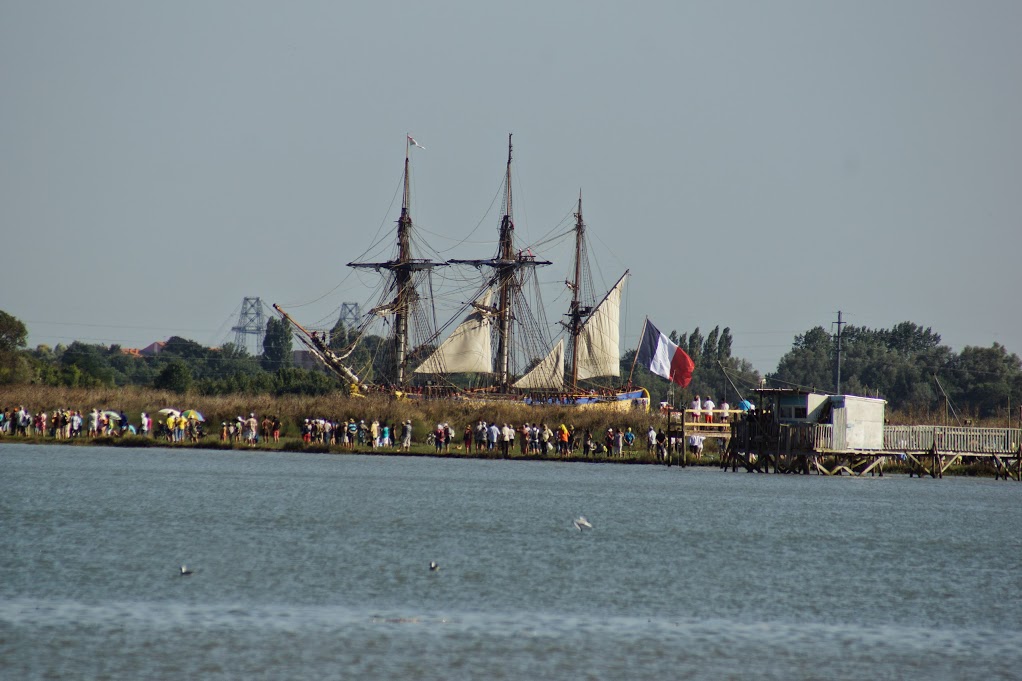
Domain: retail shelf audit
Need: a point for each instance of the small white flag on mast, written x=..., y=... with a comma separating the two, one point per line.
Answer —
x=414, y=143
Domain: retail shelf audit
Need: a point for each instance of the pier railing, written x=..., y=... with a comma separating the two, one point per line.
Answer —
x=815, y=437
x=952, y=439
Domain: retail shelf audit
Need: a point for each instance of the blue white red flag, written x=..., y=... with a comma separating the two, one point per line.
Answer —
x=663, y=358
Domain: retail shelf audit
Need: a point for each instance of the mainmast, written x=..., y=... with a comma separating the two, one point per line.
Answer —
x=505, y=275
x=506, y=266
x=403, y=267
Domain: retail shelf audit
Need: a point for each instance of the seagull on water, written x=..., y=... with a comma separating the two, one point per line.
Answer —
x=185, y=570
x=434, y=566
x=581, y=522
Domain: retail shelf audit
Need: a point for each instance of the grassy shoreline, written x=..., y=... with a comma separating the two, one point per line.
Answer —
x=293, y=445
x=292, y=410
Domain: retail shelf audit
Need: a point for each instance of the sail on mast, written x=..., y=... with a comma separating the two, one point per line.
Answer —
x=468, y=348
x=598, y=344
x=548, y=374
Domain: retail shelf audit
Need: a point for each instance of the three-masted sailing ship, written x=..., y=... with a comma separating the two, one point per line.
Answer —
x=503, y=337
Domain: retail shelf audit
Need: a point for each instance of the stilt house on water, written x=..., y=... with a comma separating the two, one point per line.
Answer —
x=797, y=431
x=851, y=423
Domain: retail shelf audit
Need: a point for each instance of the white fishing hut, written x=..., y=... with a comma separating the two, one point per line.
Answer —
x=857, y=422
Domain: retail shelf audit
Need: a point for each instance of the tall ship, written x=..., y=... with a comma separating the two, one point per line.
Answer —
x=501, y=346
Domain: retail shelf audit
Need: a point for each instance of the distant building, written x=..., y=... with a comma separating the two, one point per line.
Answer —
x=153, y=349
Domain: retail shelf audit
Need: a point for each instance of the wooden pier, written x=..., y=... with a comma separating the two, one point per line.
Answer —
x=758, y=444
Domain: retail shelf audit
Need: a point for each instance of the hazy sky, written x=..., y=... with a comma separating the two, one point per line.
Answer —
x=758, y=165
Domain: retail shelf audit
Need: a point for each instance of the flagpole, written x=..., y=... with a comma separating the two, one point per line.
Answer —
x=635, y=359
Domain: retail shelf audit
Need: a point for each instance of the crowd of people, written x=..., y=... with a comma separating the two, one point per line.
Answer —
x=62, y=424
x=534, y=439
x=352, y=434
x=505, y=439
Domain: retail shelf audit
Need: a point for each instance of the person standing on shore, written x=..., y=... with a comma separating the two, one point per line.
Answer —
x=480, y=433
x=492, y=435
x=252, y=429
x=505, y=441
x=406, y=435
x=438, y=437
x=275, y=428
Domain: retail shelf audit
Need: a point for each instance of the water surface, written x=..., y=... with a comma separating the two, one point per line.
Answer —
x=314, y=566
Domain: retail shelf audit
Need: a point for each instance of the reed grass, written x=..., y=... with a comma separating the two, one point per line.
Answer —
x=293, y=410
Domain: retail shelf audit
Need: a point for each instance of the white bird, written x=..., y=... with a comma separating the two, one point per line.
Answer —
x=434, y=566
x=185, y=570
x=581, y=522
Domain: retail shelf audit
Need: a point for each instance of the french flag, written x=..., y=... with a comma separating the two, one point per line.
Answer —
x=663, y=358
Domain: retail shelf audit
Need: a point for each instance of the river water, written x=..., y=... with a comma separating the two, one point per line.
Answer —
x=317, y=566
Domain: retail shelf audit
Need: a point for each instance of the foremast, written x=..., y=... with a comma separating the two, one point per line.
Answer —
x=403, y=268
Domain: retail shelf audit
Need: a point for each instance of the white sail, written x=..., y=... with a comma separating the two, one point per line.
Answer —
x=468, y=349
x=548, y=374
x=599, y=346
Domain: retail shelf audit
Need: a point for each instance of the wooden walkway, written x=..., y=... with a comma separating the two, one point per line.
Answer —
x=926, y=450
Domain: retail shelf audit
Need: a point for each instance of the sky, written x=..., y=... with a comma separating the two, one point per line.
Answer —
x=755, y=165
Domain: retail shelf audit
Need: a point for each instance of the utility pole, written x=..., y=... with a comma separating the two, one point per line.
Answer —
x=839, y=325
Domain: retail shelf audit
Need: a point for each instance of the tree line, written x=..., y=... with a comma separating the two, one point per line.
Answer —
x=907, y=365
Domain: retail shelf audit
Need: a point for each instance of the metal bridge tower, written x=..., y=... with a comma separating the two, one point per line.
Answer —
x=251, y=326
x=350, y=315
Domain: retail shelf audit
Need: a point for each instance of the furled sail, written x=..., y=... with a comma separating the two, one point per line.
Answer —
x=548, y=374
x=599, y=352
x=468, y=349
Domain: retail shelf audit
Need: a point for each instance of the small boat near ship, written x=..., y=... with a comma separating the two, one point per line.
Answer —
x=502, y=339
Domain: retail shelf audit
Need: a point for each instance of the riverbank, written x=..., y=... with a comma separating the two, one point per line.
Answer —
x=633, y=456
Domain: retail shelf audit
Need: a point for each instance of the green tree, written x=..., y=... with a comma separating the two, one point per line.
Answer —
x=809, y=363
x=15, y=367
x=294, y=381
x=986, y=379
x=92, y=363
x=175, y=377
x=724, y=344
x=13, y=334
x=709, y=353
x=277, y=352
x=695, y=346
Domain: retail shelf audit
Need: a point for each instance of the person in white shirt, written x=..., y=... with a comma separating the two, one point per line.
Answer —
x=695, y=445
x=694, y=408
x=724, y=409
x=708, y=407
